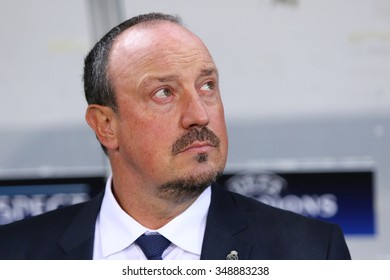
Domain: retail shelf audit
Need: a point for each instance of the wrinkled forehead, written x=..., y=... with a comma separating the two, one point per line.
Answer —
x=146, y=41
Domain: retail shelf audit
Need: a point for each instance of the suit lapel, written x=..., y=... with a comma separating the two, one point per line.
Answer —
x=224, y=229
x=77, y=240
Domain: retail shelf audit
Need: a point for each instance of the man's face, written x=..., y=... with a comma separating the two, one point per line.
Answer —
x=171, y=123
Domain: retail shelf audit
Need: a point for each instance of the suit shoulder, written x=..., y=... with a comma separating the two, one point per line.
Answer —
x=51, y=235
x=53, y=220
x=283, y=234
x=57, y=219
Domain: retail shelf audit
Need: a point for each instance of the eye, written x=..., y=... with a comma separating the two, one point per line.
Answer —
x=208, y=86
x=163, y=93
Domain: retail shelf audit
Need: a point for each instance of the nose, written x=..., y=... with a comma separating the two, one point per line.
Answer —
x=195, y=111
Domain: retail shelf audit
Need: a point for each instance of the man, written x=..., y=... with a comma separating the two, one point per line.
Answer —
x=155, y=106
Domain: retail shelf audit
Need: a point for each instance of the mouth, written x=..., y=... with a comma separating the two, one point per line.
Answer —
x=198, y=147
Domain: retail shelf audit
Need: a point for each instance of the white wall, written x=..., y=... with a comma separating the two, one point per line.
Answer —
x=43, y=45
x=42, y=128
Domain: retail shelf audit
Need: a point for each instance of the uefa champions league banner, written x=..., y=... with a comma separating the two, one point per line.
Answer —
x=344, y=198
x=20, y=199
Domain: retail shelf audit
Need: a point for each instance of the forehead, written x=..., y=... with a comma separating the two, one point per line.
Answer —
x=157, y=44
x=152, y=35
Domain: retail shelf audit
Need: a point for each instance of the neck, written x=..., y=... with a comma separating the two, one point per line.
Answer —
x=146, y=206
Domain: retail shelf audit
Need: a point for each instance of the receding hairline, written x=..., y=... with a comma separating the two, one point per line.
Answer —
x=151, y=24
x=144, y=27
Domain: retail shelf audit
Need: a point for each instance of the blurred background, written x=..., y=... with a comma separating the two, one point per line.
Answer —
x=305, y=85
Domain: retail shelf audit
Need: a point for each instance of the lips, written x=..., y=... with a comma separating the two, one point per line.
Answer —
x=198, y=147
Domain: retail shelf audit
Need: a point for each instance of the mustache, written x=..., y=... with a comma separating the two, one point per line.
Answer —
x=202, y=135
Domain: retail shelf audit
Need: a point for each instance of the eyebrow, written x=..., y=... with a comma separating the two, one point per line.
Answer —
x=163, y=79
x=167, y=78
x=209, y=72
x=203, y=72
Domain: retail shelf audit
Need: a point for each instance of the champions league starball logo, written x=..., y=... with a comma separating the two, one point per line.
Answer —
x=273, y=190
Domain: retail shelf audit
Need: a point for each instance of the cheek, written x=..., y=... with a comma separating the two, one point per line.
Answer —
x=218, y=122
x=146, y=147
x=154, y=139
x=146, y=126
x=219, y=127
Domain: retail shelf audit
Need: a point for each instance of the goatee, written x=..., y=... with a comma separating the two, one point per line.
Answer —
x=182, y=190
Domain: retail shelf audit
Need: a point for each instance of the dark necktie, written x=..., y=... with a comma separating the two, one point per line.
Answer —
x=153, y=245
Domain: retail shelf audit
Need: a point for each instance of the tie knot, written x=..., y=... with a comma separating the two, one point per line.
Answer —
x=153, y=245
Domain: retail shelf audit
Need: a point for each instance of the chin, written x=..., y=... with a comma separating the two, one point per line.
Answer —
x=188, y=186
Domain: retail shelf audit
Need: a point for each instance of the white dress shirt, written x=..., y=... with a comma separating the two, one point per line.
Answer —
x=116, y=231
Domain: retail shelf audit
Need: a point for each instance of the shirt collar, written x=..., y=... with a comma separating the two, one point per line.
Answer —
x=118, y=230
x=190, y=225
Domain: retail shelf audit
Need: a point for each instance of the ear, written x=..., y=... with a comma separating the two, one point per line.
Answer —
x=103, y=120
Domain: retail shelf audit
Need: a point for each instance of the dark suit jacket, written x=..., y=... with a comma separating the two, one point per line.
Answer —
x=234, y=223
